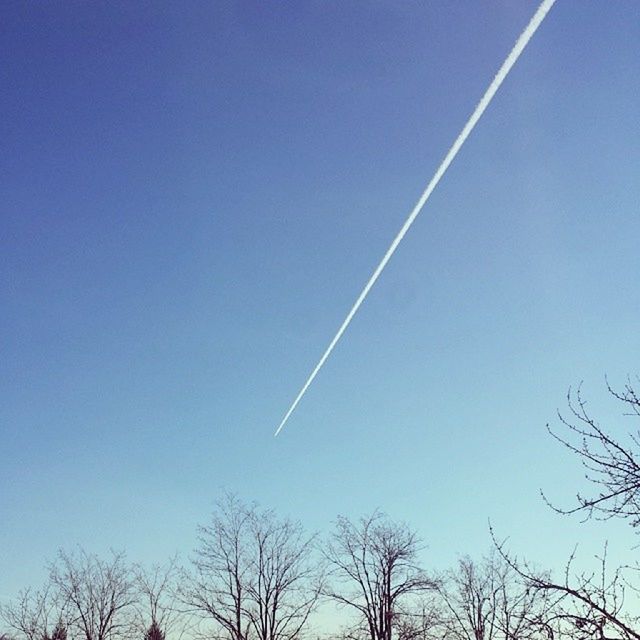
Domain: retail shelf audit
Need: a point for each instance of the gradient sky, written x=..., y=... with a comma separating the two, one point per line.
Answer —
x=194, y=194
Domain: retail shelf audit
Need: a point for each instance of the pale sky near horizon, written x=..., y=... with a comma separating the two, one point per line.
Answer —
x=195, y=193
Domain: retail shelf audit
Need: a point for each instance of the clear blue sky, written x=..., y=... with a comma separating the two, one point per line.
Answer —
x=192, y=197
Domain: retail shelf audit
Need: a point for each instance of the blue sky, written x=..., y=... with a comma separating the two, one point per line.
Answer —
x=193, y=196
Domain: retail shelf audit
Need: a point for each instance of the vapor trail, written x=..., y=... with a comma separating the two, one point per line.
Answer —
x=512, y=58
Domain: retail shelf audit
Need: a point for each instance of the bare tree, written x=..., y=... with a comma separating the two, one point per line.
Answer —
x=374, y=571
x=31, y=612
x=157, y=605
x=490, y=601
x=424, y=621
x=612, y=466
x=585, y=605
x=253, y=574
x=216, y=588
x=99, y=593
x=284, y=582
x=596, y=605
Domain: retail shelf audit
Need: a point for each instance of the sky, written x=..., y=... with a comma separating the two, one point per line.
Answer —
x=193, y=195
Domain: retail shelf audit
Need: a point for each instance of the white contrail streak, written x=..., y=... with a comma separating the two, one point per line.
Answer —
x=499, y=78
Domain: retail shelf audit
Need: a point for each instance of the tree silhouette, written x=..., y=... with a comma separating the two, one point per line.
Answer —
x=595, y=605
x=154, y=632
x=59, y=632
x=254, y=574
x=374, y=571
x=611, y=461
x=99, y=593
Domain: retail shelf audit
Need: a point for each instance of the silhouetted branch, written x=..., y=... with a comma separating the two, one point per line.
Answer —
x=611, y=466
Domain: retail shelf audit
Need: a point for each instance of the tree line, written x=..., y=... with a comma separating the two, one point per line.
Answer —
x=254, y=575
